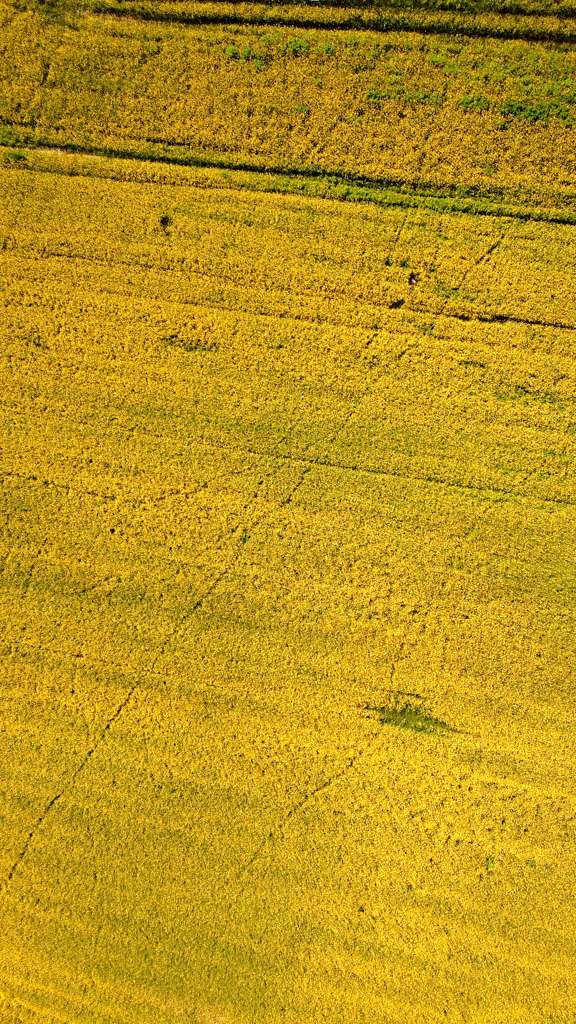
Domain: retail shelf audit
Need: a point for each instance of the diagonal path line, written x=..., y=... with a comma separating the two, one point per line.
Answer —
x=279, y=829
x=478, y=315
x=55, y=799
x=397, y=185
x=136, y=686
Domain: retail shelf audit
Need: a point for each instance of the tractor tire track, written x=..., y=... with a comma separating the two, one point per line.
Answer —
x=277, y=832
x=388, y=23
x=419, y=192
x=63, y=792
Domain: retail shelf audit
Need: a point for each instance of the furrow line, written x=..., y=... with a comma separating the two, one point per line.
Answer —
x=473, y=316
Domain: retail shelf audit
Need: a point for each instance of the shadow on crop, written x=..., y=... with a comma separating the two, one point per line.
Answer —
x=410, y=713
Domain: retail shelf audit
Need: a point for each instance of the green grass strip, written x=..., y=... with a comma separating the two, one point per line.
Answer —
x=141, y=164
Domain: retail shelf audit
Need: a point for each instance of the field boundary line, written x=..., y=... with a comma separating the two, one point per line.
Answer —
x=357, y=23
x=335, y=186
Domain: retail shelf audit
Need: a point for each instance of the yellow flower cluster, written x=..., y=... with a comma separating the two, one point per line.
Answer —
x=476, y=115
x=288, y=605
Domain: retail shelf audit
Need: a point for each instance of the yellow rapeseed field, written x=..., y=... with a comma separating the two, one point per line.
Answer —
x=452, y=112
x=265, y=504
x=288, y=543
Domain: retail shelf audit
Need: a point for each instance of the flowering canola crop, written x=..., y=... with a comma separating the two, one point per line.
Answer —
x=288, y=593
x=471, y=114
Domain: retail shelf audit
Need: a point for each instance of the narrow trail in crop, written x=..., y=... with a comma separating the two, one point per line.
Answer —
x=301, y=459
x=30, y=573
x=321, y=463
x=241, y=878
x=483, y=258
x=132, y=500
x=40, y=820
x=242, y=526
x=277, y=832
x=375, y=471
x=474, y=315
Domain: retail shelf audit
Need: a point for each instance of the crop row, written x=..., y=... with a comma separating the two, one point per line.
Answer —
x=519, y=9
x=531, y=24
x=147, y=163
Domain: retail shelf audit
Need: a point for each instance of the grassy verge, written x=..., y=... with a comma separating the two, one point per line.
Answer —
x=217, y=171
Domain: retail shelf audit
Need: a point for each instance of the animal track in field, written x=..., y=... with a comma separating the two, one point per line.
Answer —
x=39, y=822
x=277, y=832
